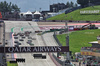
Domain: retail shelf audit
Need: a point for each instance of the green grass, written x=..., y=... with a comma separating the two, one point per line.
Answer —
x=79, y=39
x=75, y=15
x=12, y=64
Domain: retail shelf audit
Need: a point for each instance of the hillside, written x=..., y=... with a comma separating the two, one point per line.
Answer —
x=76, y=16
x=79, y=39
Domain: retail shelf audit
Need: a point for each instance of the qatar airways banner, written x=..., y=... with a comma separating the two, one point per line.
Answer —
x=34, y=49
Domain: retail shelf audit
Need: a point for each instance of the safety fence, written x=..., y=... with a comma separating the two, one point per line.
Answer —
x=57, y=40
x=59, y=61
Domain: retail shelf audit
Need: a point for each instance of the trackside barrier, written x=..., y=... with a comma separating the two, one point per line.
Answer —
x=54, y=60
x=45, y=32
x=51, y=30
x=57, y=40
x=52, y=56
x=62, y=31
x=59, y=61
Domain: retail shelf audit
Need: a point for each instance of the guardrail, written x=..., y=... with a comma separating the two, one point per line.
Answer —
x=54, y=60
x=51, y=30
x=62, y=31
x=52, y=56
x=57, y=40
x=45, y=32
x=59, y=61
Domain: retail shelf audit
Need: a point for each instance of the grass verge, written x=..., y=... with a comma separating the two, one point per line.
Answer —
x=79, y=39
x=12, y=64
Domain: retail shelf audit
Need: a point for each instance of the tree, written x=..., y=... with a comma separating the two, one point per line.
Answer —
x=15, y=8
x=1, y=6
x=8, y=7
x=71, y=4
x=75, y=5
x=83, y=2
x=68, y=4
x=86, y=2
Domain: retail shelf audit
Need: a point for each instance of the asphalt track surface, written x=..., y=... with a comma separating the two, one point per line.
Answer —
x=48, y=38
x=61, y=23
x=29, y=59
x=57, y=25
